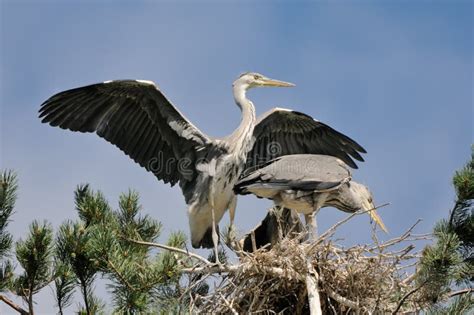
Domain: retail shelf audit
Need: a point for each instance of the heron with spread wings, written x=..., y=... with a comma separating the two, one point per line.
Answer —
x=135, y=116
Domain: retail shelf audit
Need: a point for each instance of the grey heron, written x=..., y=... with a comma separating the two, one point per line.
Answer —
x=138, y=118
x=307, y=183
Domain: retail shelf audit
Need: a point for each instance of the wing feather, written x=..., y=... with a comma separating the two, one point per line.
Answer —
x=133, y=115
x=137, y=128
x=288, y=132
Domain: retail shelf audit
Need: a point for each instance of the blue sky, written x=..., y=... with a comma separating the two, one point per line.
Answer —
x=395, y=76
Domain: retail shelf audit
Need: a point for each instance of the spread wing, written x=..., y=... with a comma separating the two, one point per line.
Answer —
x=283, y=132
x=136, y=117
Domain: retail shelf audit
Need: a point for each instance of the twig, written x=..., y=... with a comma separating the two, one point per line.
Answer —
x=402, y=300
x=121, y=277
x=338, y=224
x=344, y=301
x=244, y=267
x=195, y=284
x=459, y=292
x=16, y=307
x=397, y=239
x=410, y=278
x=173, y=249
x=228, y=305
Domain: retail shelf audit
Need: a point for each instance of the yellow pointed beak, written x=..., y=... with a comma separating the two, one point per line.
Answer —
x=277, y=83
x=373, y=214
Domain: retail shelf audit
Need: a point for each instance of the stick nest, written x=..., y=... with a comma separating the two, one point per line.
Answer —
x=361, y=279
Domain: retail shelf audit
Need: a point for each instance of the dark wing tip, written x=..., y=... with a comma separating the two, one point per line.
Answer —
x=239, y=187
x=355, y=154
x=350, y=162
x=352, y=142
x=42, y=112
x=313, y=185
x=358, y=147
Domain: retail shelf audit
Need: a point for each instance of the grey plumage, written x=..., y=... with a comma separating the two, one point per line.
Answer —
x=306, y=183
x=136, y=117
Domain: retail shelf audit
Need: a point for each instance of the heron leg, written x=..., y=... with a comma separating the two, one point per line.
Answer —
x=309, y=220
x=312, y=224
x=232, y=207
x=215, y=237
x=231, y=231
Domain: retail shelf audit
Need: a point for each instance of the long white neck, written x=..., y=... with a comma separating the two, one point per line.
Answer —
x=240, y=139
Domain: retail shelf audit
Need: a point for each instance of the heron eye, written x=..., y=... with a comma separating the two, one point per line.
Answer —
x=256, y=77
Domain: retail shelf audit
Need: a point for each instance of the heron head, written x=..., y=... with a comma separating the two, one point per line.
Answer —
x=250, y=80
x=367, y=203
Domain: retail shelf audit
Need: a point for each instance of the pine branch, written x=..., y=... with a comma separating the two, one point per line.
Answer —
x=8, y=196
x=35, y=256
x=405, y=297
x=91, y=206
x=64, y=283
x=448, y=262
x=73, y=247
x=16, y=307
x=85, y=293
x=174, y=249
x=120, y=276
x=460, y=292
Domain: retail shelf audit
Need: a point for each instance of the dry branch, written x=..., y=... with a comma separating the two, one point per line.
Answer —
x=16, y=307
x=173, y=249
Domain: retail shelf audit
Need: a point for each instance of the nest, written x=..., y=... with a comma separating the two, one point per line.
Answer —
x=300, y=275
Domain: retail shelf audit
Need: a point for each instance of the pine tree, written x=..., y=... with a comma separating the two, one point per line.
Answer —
x=126, y=265
x=461, y=221
x=35, y=255
x=75, y=261
x=64, y=284
x=137, y=278
x=72, y=248
x=99, y=244
x=8, y=195
x=446, y=268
